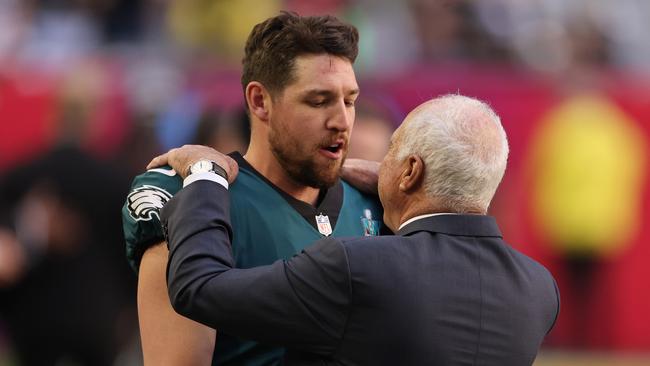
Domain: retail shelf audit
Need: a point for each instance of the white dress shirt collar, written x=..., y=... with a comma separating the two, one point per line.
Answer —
x=422, y=217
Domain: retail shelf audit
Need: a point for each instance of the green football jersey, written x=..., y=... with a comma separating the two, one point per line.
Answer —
x=267, y=223
x=141, y=211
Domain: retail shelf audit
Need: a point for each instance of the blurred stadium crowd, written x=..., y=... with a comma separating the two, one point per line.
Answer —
x=91, y=90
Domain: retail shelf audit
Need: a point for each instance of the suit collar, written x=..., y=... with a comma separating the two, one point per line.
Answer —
x=466, y=225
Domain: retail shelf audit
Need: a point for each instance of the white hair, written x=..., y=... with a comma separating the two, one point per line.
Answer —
x=464, y=149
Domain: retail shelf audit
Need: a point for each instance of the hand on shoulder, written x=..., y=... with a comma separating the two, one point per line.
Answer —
x=183, y=157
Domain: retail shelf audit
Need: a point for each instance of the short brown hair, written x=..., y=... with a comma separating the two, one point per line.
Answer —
x=274, y=44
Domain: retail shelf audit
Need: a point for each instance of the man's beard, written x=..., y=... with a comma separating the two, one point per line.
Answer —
x=300, y=166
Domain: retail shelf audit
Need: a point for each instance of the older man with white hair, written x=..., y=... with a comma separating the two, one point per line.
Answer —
x=445, y=290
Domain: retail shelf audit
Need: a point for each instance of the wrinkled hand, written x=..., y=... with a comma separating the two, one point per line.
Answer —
x=182, y=158
x=362, y=174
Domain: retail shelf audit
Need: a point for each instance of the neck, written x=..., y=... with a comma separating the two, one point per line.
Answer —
x=412, y=212
x=260, y=158
x=421, y=204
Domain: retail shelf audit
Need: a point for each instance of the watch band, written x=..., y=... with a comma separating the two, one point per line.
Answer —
x=219, y=170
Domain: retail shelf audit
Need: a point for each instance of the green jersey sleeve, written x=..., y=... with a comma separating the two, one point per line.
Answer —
x=149, y=192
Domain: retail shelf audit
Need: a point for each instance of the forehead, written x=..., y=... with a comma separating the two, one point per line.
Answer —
x=323, y=72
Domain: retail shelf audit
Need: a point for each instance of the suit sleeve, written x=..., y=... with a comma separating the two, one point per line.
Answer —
x=300, y=303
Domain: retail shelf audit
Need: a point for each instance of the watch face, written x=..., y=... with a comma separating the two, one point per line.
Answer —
x=201, y=166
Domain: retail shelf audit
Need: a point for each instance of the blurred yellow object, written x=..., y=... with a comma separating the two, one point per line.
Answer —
x=588, y=165
x=220, y=26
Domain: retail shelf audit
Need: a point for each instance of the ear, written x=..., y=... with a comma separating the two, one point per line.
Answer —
x=259, y=100
x=412, y=175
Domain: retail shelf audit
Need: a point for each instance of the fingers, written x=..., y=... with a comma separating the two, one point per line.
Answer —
x=158, y=161
x=232, y=168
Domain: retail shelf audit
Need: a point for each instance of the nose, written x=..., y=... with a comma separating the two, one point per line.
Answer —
x=342, y=117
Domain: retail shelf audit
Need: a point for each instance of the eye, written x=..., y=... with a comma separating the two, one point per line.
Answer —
x=349, y=103
x=317, y=103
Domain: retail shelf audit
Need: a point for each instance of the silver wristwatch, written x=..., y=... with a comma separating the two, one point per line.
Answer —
x=207, y=166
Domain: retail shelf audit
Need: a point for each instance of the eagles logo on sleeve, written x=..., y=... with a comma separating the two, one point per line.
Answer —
x=146, y=201
x=150, y=191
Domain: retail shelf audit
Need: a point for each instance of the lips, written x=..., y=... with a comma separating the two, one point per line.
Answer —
x=333, y=149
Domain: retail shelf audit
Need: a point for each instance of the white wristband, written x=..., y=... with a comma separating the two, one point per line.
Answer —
x=205, y=176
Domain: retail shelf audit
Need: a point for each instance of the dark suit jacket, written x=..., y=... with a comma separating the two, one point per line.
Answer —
x=446, y=290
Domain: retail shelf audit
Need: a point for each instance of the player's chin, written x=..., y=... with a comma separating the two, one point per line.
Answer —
x=330, y=173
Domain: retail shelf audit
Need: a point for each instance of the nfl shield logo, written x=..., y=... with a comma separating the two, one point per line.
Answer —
x=323, y=223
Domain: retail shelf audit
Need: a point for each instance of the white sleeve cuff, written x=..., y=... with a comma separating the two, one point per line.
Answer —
x=205, y=176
